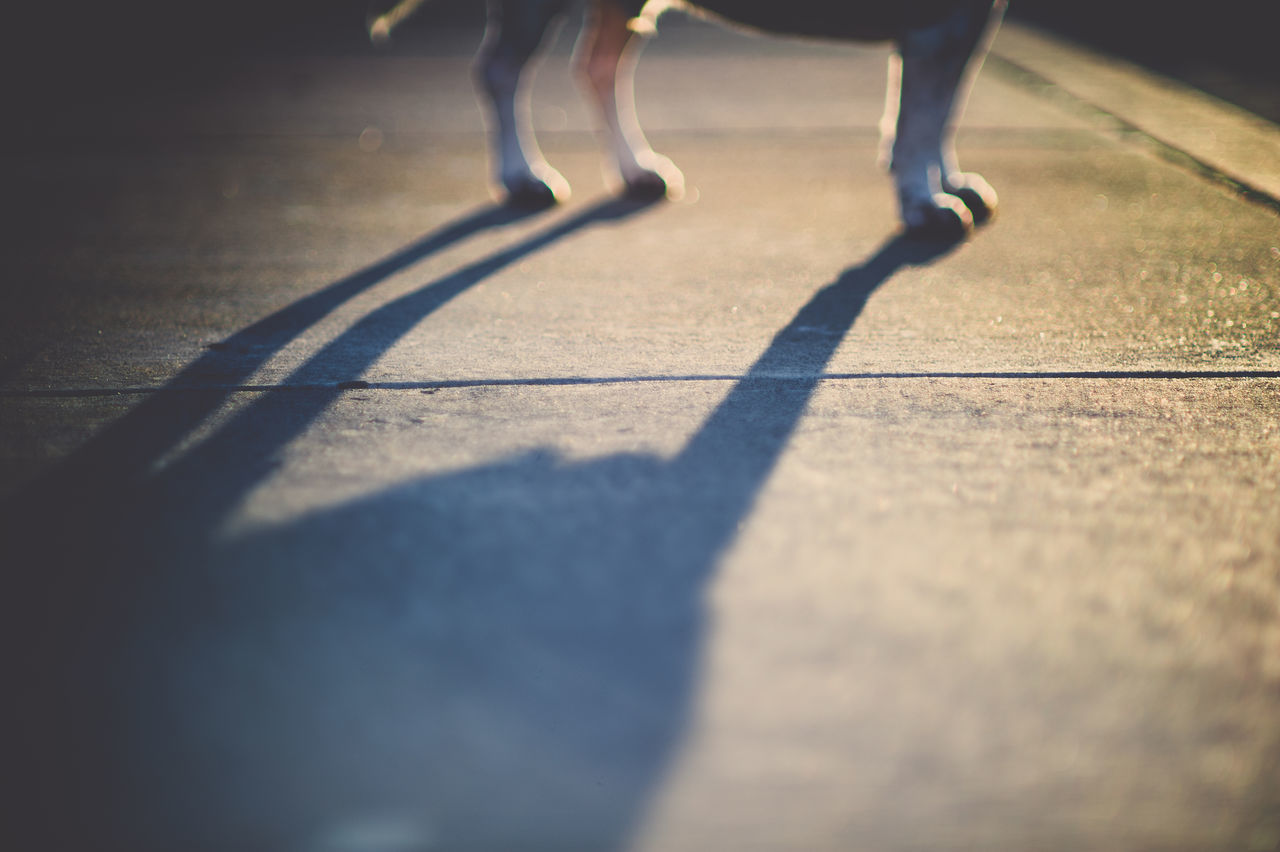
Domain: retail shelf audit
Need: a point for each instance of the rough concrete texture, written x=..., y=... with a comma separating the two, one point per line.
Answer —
x=347, y=511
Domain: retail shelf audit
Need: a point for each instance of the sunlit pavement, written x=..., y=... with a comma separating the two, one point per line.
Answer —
x=347, y=511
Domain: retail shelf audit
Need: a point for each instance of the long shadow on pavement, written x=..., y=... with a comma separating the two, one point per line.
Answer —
x=502, y=657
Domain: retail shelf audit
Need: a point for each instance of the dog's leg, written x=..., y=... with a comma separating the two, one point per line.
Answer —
x=606, y=59
x=934, y=72
x=504, y=69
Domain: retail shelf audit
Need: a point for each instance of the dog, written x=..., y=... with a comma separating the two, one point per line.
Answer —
x=940, y=47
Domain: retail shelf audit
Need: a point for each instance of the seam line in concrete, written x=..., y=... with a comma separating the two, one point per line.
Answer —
x=766, y=132
x=578, y=381
x=1044, y=86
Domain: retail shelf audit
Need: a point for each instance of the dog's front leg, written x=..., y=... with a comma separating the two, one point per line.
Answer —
x=504, y=69
x=606, y=59
x=932, y=75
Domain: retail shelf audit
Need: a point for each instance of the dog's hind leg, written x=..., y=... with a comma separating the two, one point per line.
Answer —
x=934, y=71
x=504, y=69
x=606, y=59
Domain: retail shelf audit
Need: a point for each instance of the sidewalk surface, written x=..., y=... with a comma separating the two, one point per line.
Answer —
x=348, y=511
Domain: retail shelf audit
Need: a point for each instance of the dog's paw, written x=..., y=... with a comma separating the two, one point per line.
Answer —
x=976, y=194
x=534, y=195
x=657, y=177
x=646, y=187
x=942, y=218
x=539, y=189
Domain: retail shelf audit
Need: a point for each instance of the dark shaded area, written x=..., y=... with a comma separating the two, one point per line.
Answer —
x=56, y=55
x=1230, y=48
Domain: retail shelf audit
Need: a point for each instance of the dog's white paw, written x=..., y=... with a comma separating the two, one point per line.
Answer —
x=540, y=187
x=975, y=192
x=654, y=176
x=940, y=217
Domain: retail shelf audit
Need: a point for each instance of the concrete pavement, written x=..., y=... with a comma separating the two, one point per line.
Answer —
x=347, y=511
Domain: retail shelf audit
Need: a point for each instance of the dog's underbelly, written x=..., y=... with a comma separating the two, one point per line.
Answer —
x=855, y=20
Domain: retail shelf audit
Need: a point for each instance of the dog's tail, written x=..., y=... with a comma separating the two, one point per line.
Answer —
x=380, y=29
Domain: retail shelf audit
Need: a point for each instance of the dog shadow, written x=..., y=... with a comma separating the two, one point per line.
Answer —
x=502, y=657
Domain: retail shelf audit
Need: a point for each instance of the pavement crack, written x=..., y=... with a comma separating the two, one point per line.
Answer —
x=431, y=386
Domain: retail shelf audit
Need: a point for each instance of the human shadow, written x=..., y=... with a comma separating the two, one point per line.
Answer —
x=502, y=657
